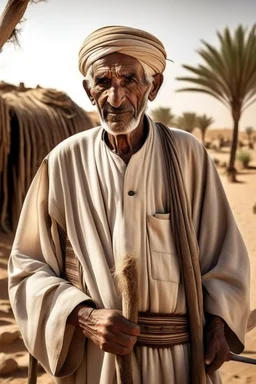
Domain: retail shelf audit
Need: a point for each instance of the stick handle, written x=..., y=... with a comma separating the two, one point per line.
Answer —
x=32, y=370
x=243, y=359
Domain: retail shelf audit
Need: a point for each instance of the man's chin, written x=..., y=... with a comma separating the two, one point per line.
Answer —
x=116, y=128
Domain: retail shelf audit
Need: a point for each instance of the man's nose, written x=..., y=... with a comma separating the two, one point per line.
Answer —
x=116, y=95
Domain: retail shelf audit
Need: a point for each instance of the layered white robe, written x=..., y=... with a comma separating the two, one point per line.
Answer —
x=82, y=186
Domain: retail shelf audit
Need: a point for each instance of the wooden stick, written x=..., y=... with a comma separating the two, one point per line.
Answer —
x=127, y=279
x=243, y=359
x=32, y=370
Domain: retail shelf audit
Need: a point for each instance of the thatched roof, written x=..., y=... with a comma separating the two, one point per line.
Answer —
x=32, y=122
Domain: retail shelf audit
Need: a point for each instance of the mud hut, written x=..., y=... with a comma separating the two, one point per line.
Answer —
x=32, y=122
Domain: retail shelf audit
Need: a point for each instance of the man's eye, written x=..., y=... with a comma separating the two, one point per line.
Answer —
x=103, y=81
x=129, y=79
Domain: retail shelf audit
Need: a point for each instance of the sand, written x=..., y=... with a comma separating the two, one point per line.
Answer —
x=242, y=197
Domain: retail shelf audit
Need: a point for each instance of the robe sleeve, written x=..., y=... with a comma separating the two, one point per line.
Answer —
x=224, y=260
x=40, y=297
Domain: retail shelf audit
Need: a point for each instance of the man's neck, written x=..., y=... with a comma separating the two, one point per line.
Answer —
x=126, y=145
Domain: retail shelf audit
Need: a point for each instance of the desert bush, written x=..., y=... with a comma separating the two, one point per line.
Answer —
x=244, y=157
x=216, y=161
x=223, y=164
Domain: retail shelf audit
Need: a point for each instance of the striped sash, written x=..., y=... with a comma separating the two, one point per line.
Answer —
x=162, y=330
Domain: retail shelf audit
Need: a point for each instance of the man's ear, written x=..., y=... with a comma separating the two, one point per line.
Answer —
x=156, y=85
x=88, y=91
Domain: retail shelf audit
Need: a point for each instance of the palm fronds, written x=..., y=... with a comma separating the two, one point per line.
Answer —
x=228, y=74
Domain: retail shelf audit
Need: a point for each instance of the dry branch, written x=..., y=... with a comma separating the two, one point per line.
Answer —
x=11, y=16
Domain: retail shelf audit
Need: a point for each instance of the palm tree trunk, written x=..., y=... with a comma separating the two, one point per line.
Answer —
x=203, y=136
x=231, y=170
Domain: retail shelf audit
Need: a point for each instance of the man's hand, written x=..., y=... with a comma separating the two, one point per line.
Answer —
x=216, y=346
x=107, y=328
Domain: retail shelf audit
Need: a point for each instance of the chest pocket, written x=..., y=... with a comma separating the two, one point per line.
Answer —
x=163, y=255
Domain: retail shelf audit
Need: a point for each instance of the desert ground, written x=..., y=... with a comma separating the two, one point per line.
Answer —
x=242, y=198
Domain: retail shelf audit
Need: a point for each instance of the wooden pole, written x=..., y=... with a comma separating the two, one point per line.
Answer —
x=32, y=370
x=243, y=359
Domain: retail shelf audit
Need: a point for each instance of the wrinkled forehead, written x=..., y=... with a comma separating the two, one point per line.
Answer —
x=117, y=63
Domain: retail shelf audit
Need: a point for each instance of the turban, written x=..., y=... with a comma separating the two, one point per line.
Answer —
x=146, y=48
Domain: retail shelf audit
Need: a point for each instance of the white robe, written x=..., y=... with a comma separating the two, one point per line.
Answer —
x=83, y=187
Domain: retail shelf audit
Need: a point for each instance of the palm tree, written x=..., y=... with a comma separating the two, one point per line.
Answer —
x=249, y=131
x=187, y=121
x=162, y=114
x=203, y=122
x=229, y=75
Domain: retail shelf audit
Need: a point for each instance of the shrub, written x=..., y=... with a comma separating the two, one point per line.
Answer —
x=244, y=157
x=216, y=161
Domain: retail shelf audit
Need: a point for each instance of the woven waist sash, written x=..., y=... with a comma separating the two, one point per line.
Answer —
x=162, y=330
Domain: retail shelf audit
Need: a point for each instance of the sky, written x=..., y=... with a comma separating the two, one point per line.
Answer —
x=54, y=31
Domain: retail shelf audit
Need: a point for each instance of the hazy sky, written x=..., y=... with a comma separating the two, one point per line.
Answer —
x=54, y=30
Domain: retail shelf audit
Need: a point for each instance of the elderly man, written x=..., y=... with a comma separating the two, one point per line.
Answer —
x=127, y=264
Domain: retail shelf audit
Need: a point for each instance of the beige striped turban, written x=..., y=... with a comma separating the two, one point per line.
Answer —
x=146, y=48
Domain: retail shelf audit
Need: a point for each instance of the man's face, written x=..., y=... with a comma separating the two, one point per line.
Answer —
x=120, y=91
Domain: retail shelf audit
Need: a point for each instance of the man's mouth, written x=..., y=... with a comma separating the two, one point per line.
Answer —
x=117, y=112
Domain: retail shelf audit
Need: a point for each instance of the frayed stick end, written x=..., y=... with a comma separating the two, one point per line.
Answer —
x=126, y=276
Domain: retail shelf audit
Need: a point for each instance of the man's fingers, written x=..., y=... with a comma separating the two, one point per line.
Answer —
x=221, y=355
x=120, y=344
x=229, y=356
x=111, y=331
x=211, y=351
x=134, y=330
x=115, y=348
x=124, y=339
x=129, y=327
x=217, y=362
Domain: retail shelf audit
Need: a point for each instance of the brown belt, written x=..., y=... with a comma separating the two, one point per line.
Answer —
x=159, y=330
